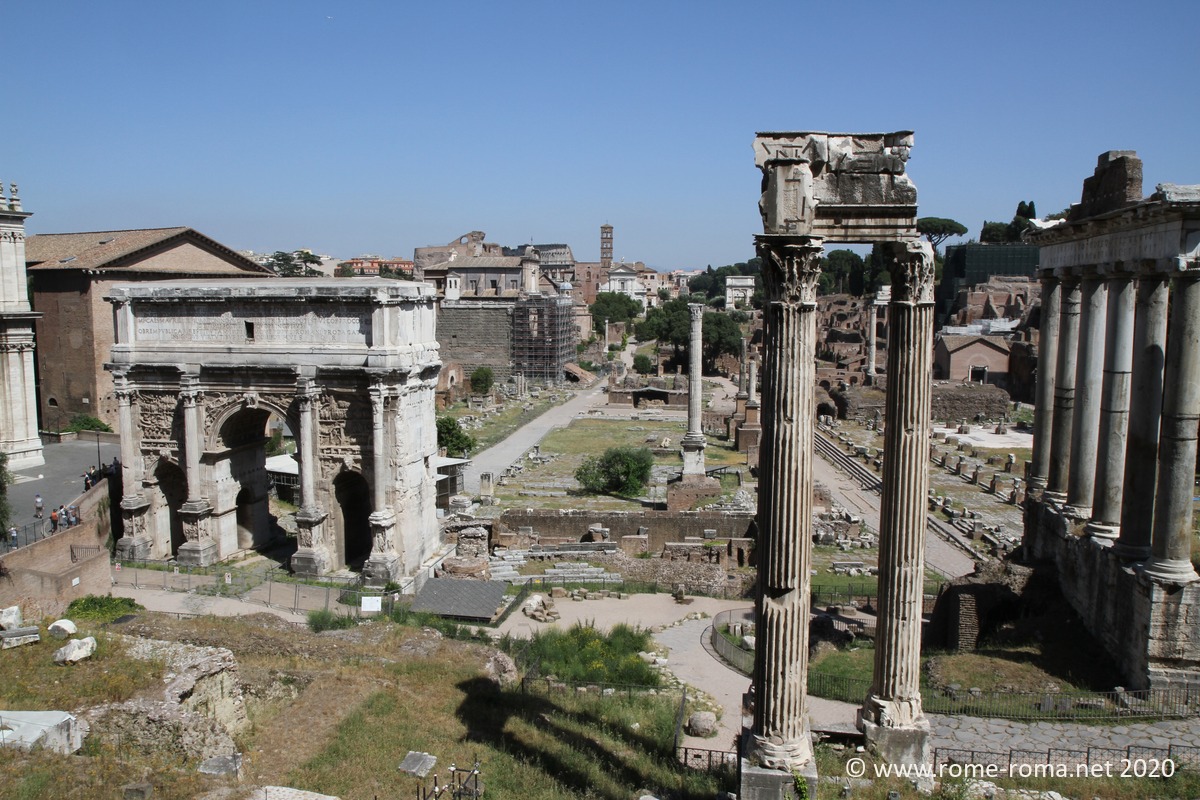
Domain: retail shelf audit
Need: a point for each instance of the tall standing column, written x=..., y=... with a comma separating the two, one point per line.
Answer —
x=693, y=441
x=1089, y=373
x=891, y=718
x=312, y=555
x=1064, y=387
x=381, y=565
x=780, y=735
x=872, y=322
x=1171, y=545
x=1114, y=409
x=1141, y=454
x=1043, y=412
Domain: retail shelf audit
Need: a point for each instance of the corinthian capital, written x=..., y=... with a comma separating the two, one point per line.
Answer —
x=791, y=268
x=912, y=271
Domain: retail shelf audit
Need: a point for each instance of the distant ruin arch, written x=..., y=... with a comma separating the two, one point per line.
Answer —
x=350, y=366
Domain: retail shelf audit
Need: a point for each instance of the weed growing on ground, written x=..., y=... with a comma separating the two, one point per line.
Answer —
x=326, y=620
x=100, y=609
x=584, y=654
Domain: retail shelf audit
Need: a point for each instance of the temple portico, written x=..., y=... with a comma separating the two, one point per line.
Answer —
x=349, y=368
x=1116, y=453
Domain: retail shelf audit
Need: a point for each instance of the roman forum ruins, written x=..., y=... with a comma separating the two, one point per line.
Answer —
x=1112, y=506
x=350, y=366
x=852, y=188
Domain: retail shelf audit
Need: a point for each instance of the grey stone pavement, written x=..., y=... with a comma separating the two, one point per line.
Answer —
x=59, y=480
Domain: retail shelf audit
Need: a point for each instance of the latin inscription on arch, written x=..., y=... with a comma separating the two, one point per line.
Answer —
x=242, y=324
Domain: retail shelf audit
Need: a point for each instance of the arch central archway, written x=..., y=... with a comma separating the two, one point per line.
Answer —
x=353, y=497
x=171, y=494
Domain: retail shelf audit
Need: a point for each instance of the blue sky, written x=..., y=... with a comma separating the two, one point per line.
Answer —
x=353, y=127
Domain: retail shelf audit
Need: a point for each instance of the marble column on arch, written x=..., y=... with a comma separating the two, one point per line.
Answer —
x=779, y=736
x=312, y=553
x=1064, y=386
x=1043, y=412
x=134, y=544
x=1141, y=452
x=198, y=549
x=381, y=566
x=1171, y=541
x=1114, y=407
x=891, y=718
x=1089, y=376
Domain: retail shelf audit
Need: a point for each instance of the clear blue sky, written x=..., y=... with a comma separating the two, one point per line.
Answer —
x=352, y=127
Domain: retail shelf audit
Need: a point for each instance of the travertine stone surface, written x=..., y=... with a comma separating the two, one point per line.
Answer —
x=1064, y=387
x=1114, y=408
x=1089, y=370
x=1047, y=366
x=785, y=498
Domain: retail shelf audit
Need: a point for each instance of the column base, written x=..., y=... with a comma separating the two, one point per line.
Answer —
x=907, y=744
x=760, y=783
x=1128, y=552
x=380, y=569
x=198, y=554
x=133, y=548
x=1077, y=512
x=1057, y=498
x=1036, y=482
x=1105, y=534
x=25, y=454
x=308, y=561
x=773, y=754
x=1170, y=570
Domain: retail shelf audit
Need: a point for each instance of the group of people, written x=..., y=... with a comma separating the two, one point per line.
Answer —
x=61, y=518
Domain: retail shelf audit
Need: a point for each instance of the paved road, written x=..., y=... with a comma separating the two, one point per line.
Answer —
x=59, y=480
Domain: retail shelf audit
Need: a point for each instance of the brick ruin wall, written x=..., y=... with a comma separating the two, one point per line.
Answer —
x=663, y=527
x=477, y=335
x=969, y=401
x=1152, y=633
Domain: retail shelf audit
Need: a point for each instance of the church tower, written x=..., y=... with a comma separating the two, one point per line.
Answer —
x=606, y=250
x=18, y=401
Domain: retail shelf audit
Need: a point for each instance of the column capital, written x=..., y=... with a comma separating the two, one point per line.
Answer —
x=696, y=310
x=189, y=390
x=913, y=276
x=791, y=267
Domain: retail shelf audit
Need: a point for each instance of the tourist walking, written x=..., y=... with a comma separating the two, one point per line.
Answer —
x=54, y=520
x=12, y=537
x=38, y=506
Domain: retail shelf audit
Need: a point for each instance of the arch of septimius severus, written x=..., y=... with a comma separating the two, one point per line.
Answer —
x=845, y=188
x=351, y=366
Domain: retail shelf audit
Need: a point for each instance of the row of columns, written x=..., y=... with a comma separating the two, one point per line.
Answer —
x=1105, y=352
x=891, y=717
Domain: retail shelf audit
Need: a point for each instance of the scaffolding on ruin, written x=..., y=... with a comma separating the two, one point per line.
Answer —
x=544, y=336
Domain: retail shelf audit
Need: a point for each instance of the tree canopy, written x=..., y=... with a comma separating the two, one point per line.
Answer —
x=451, y=436
x=711, y=283
x=720, y=335
x=614, y=307
x=669, y=323
x=482, y=380
x=293, y=265
x=939, y=229
x=842, y=271
x=997, y=232
x=622, y=471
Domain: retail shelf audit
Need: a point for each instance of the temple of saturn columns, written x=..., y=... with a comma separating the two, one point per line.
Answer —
x=351, y=367
x=1118, y=399
x=844, y=188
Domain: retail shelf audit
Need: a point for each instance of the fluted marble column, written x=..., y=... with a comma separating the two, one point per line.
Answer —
x=198, y=549
x=312, y=556
x=380, y=567
x=1171, y=544
x=1089, y=375
x=872, y=321
x=1064, y=387
x=1114, y=409
x=1043, y=412
x=693, y=441
x=1141, y=452
x=780, y=736
x=134, y=543
x=891, y=718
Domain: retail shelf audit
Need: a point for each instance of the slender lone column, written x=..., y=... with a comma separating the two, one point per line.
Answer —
x=751, y=385
x=191, y=427
x=741, y=392
x=131, y=478
x=1171, y=545
x=1043, y=413
x=1114, y=409
x=780, y=735
x=1089, y=373
x=693, y=441
x=1064, y=387
x=891, y=718
x=1141, y=454
x=872, y=321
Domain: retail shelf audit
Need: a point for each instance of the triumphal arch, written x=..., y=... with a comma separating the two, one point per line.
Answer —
x=349, y=367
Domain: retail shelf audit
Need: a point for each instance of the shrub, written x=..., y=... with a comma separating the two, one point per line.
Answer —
x=621, y=470
x=325, y=620
x=85, y=422
x=101, y=608
x=642, y=364
x=451, y=436
x=584, y=654
x=482, y=379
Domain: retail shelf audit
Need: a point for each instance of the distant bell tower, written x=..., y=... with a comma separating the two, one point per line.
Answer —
x=18, y=401
x=606, y=246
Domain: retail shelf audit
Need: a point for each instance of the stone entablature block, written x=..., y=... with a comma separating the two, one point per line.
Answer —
x=845, y=187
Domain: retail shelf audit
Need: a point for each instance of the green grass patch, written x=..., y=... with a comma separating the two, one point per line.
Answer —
x=324, y=619
x=101, y=609
x=585, y=655
x=33, y=682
